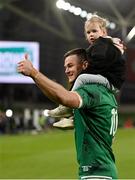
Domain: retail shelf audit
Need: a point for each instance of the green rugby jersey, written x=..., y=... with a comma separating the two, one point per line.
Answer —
x=95, y=126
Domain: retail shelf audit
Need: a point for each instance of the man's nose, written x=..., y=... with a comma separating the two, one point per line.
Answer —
x=67, y=70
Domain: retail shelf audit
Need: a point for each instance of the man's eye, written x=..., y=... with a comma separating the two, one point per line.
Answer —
x=70, y=65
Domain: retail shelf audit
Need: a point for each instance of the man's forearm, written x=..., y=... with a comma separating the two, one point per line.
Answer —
x=55, y=91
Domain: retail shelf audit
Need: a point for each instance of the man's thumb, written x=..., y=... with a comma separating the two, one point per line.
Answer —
x=26, y=56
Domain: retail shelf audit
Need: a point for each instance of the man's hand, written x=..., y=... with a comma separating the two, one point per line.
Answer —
x=26, y=68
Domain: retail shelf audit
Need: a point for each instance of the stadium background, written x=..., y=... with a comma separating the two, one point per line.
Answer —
x=58, y=31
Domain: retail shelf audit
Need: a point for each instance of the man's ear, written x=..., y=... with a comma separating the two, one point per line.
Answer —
x=85, y=65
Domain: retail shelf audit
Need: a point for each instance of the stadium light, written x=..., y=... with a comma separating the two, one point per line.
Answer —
x=61, y=4
x=45, y=112
x=72, y=9
x=89, y=15
x=77, y=11
x=112, y=25
x=66, y=6
x=83, y=14
x=9, y=113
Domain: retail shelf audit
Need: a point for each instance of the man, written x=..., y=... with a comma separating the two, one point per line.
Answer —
x=95, y=116
x=72, y=70
x=107, y=65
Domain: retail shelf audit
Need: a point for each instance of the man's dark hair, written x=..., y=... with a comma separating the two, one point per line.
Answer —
x=80, y=52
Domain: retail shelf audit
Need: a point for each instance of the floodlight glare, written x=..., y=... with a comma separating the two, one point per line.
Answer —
x=89, y=15
x=72, y=9
x=9, y=113
x=112, y=25
x=77, y=11
x=60, y=4
x=66, y=6
x=45, y=112
x=83, y=14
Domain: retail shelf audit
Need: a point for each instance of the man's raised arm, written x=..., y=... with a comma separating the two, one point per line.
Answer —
x=51, y=89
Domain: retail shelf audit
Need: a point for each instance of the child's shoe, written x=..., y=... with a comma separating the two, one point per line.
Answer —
x=60, y=111
x=65, y=123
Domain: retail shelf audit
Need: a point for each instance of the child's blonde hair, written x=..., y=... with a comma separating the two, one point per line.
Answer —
x=97, y=19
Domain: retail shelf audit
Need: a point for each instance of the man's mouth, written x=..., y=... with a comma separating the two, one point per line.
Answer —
x=69, y=76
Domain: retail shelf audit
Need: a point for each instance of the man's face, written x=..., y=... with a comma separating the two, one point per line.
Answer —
x=93, y=31
x=73, y=67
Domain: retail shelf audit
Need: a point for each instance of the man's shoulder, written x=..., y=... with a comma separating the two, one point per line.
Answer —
x=96, y=94
x=93, y=90
x=92, y=87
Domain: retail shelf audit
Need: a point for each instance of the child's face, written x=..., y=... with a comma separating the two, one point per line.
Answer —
x=93, y=31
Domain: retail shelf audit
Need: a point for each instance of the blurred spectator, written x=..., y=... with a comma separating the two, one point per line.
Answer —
x=12, y=128
x=3, y=123
x=129, y=123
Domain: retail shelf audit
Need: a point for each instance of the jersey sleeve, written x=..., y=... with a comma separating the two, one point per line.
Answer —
x=89, y=99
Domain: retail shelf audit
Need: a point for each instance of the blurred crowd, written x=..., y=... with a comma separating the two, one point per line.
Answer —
x=29, y=121
x=37, y=121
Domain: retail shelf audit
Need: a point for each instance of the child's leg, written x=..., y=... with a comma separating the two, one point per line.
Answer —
x=91, y=78
x=65, y=113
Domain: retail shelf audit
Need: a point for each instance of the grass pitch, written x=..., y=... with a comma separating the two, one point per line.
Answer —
x=52, y=155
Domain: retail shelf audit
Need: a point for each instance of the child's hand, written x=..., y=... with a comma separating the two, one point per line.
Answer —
x=119, y=44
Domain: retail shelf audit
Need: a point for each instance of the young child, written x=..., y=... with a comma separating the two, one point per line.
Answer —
x=107, y=66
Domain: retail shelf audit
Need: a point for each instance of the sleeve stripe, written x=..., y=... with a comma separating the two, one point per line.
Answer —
x=80, y=99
